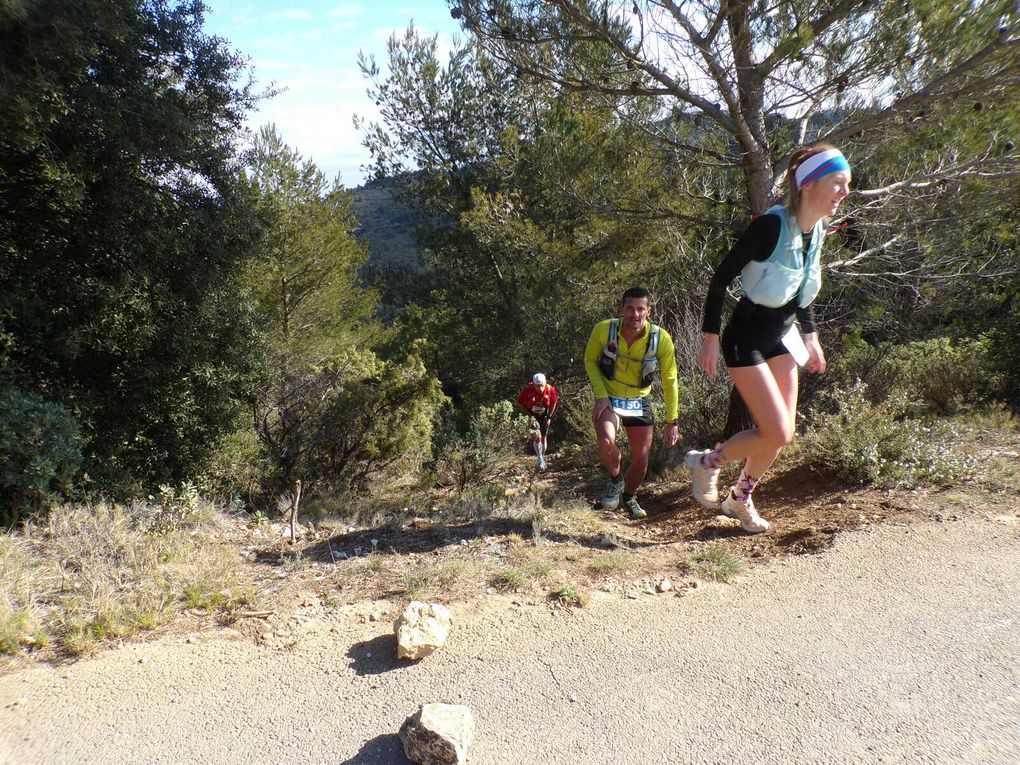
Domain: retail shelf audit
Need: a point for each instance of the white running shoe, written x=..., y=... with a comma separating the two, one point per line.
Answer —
x=704, y=481
x=541, y=464
x=743, y=511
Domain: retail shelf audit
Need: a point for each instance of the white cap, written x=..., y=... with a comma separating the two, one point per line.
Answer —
x=538, y=379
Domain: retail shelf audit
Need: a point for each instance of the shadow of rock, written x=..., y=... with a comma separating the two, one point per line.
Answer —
x=381, y=750
x=376, y=656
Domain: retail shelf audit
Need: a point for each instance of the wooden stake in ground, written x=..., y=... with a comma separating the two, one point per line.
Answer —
x=294, y=510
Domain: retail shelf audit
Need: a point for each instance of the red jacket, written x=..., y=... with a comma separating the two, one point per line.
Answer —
x=537, y=402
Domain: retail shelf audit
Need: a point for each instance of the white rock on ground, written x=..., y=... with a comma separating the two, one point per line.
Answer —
x=438, y=734
x=421, y=629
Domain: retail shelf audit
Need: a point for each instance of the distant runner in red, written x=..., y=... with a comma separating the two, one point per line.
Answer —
x=538, y=400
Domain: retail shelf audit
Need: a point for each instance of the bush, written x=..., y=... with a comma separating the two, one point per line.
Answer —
x=40, y=453
x=174, y=509
x=493, y=437
x=874, y=443
x=937, y=376
x=381, y=416
x=577, y=399
x=704, y=403
x=340, y=426
x=1005, y=353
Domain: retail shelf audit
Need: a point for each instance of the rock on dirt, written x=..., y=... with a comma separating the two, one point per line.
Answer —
x=421, y=629
x=438, y=734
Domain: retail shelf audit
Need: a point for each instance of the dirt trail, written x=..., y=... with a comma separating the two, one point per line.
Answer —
x=898, y=645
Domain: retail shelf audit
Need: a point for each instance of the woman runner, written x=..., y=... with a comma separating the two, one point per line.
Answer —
x=777, y=258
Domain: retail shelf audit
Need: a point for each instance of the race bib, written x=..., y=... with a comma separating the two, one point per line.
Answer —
x=627, y=407
x=795, y=345
x=538, y=409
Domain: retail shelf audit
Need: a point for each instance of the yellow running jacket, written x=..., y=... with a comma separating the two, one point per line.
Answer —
x=627, y=374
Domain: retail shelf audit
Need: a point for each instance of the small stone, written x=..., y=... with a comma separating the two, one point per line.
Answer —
x=665, y=585
x=573, y=698
x=438, y=734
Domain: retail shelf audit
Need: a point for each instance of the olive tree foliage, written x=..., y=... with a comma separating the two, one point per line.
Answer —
x=123, y=228
x=327, y=409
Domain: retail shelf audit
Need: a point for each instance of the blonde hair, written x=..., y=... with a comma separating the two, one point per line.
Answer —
x=792, y=198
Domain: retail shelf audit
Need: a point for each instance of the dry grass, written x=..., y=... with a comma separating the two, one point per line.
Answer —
x=92, y=574
x=714, y=562
x=610, y=562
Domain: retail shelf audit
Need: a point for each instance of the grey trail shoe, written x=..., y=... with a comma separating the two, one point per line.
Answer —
x=611, y=498
x=704, y=481
x=743, y=511
x=635, y=510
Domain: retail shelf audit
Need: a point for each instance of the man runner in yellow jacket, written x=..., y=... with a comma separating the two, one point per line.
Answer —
x=621, y=358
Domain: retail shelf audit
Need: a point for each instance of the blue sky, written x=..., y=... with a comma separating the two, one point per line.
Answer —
x=311, y=47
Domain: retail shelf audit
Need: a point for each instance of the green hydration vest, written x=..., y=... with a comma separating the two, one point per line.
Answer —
x=787, y=272
x=650, y=363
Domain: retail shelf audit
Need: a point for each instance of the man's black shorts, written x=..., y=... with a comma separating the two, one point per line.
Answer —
x=646, y=420
x=541, y=423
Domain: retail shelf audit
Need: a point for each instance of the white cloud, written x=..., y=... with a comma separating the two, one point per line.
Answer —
x=312, y=57
x=346, y=11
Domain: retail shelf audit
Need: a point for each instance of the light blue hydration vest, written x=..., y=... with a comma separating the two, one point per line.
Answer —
x=774, y=282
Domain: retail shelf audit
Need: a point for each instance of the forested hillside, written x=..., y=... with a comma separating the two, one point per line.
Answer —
x=388, y=227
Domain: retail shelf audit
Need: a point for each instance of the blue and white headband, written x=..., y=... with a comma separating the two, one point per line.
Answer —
x=817, y=165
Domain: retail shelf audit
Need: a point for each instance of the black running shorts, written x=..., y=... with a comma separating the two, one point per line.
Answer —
x=646, y=420
x=755, y=333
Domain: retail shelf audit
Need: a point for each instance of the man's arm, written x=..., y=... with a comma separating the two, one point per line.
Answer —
x=592, y=352
x=520, y=401
x=666, y=356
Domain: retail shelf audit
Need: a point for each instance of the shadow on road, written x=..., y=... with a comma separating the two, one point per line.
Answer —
x=381, y=750
x=376, y=656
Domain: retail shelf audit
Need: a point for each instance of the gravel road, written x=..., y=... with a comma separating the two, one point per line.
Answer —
x=899, y=645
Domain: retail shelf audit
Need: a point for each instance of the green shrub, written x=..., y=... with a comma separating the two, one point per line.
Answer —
x=358, y=417
x=574, y=413
x=40, y=453
x=175, y=508
x=702, y=412
x=495, y=434
x=938, y=376
x=874, y=443
x=1005, y=352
